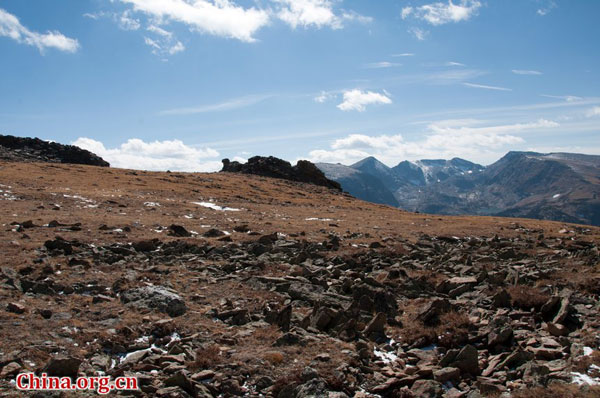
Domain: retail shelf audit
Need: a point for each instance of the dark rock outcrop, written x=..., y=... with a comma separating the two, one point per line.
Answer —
x=303, y=171
x=19, y=149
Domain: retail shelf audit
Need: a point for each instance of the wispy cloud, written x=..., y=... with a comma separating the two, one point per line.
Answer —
x=452, y=63
x=486, y=87
x=235, y=103
x=547, y=6
x=442, y=13
x=381, y=65
x=568, y=98
x=357, y=100
x=526, y=72
x=11, y=27
x=418, y=33
x=325, y=96
x=123, y=19
x=595, y=111
x=404, y=55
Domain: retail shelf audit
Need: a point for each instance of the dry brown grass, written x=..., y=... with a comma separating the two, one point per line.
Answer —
x=582, y=363
x=293, y=378
x=207, y=357
x=452, y=331
x=275, y=357
x=528, y=297
x=559, y=391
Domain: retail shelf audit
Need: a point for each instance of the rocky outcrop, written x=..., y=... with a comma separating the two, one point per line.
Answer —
x=18, y=149
x=303, y=171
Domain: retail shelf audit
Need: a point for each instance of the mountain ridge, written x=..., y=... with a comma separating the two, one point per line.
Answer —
x=556, y=186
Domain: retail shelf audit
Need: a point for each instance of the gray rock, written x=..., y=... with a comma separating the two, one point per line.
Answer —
x=155, y=297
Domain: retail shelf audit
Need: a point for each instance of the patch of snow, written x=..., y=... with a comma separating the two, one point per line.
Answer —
x=151, y=204
x=214, y=206
x=188, y=216
x=386, y=357
x=556, y=196
x=143, y=339
x=587, y=351
x=581, y=379
x=318, y=219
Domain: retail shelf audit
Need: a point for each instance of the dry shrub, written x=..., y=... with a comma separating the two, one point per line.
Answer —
x=207, y=357
x=293, y=379
x=275, y=357
x=453, y=330
x=528, y=297
x=559, y=391
x=265, y=336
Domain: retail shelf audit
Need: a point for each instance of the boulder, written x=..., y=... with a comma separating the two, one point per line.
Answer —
x=62, y=366
x=155, y=297
x=427, y=389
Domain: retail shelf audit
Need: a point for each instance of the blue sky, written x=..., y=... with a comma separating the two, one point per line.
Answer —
x=180, y=84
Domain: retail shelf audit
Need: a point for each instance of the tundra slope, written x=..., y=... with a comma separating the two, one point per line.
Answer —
x=228, y=285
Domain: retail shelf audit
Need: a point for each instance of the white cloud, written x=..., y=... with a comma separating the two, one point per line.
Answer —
x=485, y=87
x=357, y=100
x=11, y=27
x=418, y=33
x=452, y=63
x=231, y=104
x=221, y=18
x=316, y=13
x=164, y=42
x=441, y=13
x=381, y=65
x=444, y=139
x=547, y=6
x=325, y=96
x=403, y=55
x=568, y=98
x=126, y=22
x=595, y=111
x=406, y=11
x=526, y=72
x=158, y=155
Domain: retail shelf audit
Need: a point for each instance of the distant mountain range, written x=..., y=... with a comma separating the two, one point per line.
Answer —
x=553, y=186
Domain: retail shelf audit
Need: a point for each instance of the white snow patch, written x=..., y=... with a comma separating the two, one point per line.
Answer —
x=587, y=351
x=143, y=339
x=318, y=219
x=386, y=357
x=556, y=196
x=214, y=206
x=151, y=204
x=581, y=379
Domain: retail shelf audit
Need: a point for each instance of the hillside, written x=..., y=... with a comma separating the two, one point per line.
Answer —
x=227, y=284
